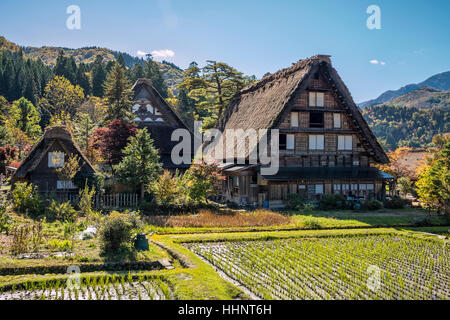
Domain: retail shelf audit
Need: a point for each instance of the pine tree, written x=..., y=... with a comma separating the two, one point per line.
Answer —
x=60, y=66
x=121, y=61
x=136, y=72
x=186, y=108
x=84, y=128
x=152, y=72
x=140, y=165
x=118, y=94
x=83, y=80
x=212, y=88
x=98, y=77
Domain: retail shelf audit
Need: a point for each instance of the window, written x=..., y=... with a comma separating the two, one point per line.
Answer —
x=354, y=187
x=319, y=188
x=282, y=142
x=356, y=162
x=56, y=159
x=345, y=187
x=235, y=181
x=294, y=119
x=316, y=99
x=337, y=187
x=363, y=186
x=136, y=107
x=316, y=119
x=337, y=120
x=370, y=186
x=65, y=185
x=319, y=99
x=315, y=188
x=290, y=142
x=316, y=142
x=345, y=142
x=301, y=187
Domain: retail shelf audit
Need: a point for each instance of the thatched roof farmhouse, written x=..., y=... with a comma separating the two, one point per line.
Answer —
x=48, y=154
x=326, y=146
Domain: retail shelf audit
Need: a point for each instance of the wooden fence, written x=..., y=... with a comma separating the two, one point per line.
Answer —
x=118, y=200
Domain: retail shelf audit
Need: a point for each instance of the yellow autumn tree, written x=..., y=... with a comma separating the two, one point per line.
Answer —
x=61, y=97
x=395, y=167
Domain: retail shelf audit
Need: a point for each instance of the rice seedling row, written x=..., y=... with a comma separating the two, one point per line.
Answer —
x=93, y=288
x=335, y=268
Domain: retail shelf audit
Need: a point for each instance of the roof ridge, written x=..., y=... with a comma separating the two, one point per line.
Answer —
x=282, y=73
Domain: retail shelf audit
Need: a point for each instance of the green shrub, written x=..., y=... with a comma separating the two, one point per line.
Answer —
x=332, y=202
x=25, y=237
x=294, y=201
x=86, y=196
x=423, y=222
x=373, y=204
x=153, y=208
x=116, y=234
x=312, y=224
x=60, y=245
x=26, y=199
x=5, y=217
x=308, y=208
x=395, y=203
x=62, y=211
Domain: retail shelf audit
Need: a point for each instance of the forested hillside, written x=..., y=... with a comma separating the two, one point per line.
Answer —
x=172, y=74
x=22, y=77
x=397, y=126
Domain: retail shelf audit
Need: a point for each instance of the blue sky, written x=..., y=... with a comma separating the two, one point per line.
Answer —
x=254, y=36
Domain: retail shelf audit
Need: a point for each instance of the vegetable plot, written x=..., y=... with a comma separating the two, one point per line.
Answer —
x=102, y=288
x=359, y=267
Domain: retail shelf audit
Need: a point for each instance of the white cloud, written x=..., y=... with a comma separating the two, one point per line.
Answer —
x=141, y=53
x=162, y=53
x=375, y=61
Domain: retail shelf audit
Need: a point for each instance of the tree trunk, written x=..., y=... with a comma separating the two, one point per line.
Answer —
x=142, y=192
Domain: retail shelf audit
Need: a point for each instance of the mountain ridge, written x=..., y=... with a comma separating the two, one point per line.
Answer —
x=440, y=81
x=172, y=74
x=422, y=98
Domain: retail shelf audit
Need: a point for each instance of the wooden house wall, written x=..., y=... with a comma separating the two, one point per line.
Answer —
x=45, y=178
x=301, y=155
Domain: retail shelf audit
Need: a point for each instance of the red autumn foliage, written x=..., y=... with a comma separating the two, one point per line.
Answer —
x=15, y=164
x=8, y=155
x=110, y=141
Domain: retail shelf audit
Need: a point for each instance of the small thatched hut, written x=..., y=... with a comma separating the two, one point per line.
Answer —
x=48, y=154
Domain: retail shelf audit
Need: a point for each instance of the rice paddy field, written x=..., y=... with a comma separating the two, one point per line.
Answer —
x=114, y=287
x=385, y=266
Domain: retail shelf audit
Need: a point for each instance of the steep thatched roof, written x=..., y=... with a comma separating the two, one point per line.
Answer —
x=162, y=105
x=160, y=132
x=51, y=134
x=258, y=105
x=264, y=104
